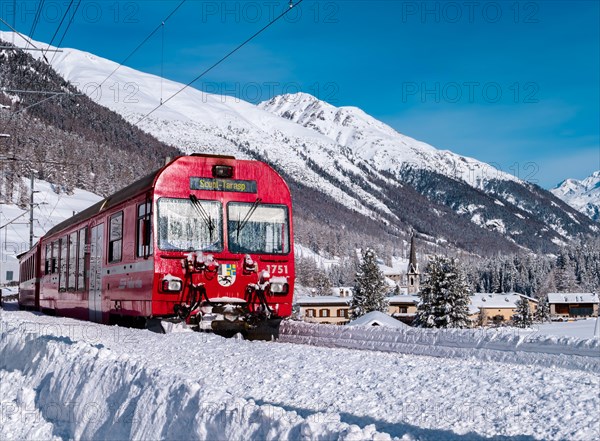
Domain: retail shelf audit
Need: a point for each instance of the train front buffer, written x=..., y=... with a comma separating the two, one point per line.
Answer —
x=228, y=295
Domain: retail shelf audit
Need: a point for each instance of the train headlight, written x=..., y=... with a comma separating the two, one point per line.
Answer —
x=171, y=284
x=279, y=285
x=222, y=171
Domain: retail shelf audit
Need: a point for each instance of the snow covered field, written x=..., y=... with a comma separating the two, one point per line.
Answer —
x=582, y=329
x=65, y=379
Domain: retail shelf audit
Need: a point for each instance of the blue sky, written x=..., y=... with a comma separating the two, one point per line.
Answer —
x=512, y=83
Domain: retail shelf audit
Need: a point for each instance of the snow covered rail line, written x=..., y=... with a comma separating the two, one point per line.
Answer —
x=484, y=344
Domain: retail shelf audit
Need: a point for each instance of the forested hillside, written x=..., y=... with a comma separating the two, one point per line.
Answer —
x=67, y=139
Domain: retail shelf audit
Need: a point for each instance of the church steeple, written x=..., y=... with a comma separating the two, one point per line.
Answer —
x=413, y=274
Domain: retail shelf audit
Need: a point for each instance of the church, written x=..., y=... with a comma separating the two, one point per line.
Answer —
x=407, y=282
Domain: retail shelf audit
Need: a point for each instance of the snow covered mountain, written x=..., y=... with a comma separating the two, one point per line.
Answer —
x=372, y=141
x=346, y=169
x=582, y=195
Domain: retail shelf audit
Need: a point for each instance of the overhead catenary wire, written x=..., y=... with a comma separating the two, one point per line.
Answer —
x=229, y=54
x=28, y=40
x=36, y=19
x=41, y=92
x=37, y=103
x=142, y=43
x=62, y=20
x=67, y=29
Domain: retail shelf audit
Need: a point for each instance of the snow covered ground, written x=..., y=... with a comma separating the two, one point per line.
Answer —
x=65, y=379
x=582, y=329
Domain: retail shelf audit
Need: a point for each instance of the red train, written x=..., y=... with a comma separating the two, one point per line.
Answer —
x=205, y=239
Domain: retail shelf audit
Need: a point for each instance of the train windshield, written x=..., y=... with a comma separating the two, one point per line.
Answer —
x=189, y=225
x=258, y=228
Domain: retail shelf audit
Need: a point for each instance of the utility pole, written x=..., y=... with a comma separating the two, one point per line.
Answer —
x=31, y=210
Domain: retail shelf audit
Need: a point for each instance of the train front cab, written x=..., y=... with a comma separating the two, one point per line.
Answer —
x=223, y=248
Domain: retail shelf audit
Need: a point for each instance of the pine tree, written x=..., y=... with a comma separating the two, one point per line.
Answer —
x=444, y=296
x=523, y=317
x=369, y=287
x=565, y=278
x=542, y=313
x=322, y=283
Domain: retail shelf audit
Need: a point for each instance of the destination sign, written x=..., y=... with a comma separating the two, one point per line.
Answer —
x=211, y=184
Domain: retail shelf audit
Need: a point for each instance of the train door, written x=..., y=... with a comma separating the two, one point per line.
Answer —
x=96, y=256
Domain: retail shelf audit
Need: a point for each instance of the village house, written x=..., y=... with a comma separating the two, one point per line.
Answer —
x=572, y=305
x=403, y=307
x=491, y=308
x=332, y=309
x=335, y=309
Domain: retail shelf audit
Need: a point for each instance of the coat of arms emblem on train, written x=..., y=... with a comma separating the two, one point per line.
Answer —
x=226, y=276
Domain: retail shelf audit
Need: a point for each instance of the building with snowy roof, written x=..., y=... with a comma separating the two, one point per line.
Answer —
x=335, y=309
x=494, y=308
x=332, y=309
x=403, y=307
x=573, y=304
x=377, y=318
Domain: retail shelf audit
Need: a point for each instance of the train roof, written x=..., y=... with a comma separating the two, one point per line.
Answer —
x=122, y=195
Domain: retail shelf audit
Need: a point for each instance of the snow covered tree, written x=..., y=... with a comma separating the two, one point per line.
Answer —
x=444, y=296
x=369, y=287
x=565, y=278
x=322, y=283
x=523, y=317
x=542, y=313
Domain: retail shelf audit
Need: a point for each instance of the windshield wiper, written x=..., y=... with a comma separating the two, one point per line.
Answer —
x=251, y=210
x=203, y=213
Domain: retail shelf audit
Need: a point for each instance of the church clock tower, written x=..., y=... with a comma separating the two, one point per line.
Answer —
x=413, y=274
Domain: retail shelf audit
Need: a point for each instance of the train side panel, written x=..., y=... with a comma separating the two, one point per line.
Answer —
x=29, y=273
x=127, y=274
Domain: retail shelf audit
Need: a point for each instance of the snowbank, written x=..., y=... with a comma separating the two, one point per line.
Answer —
x=484, y=344
x=78, y=380
x=89, y=392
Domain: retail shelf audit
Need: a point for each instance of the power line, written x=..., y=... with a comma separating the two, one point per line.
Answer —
x=248, y=40
x=37, y=103
x=67, y=29
x=36, y=18
x=60, y=24
x=142, y=43
x=45, y=161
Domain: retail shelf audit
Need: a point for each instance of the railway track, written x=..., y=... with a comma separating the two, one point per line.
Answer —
x=483, y=344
